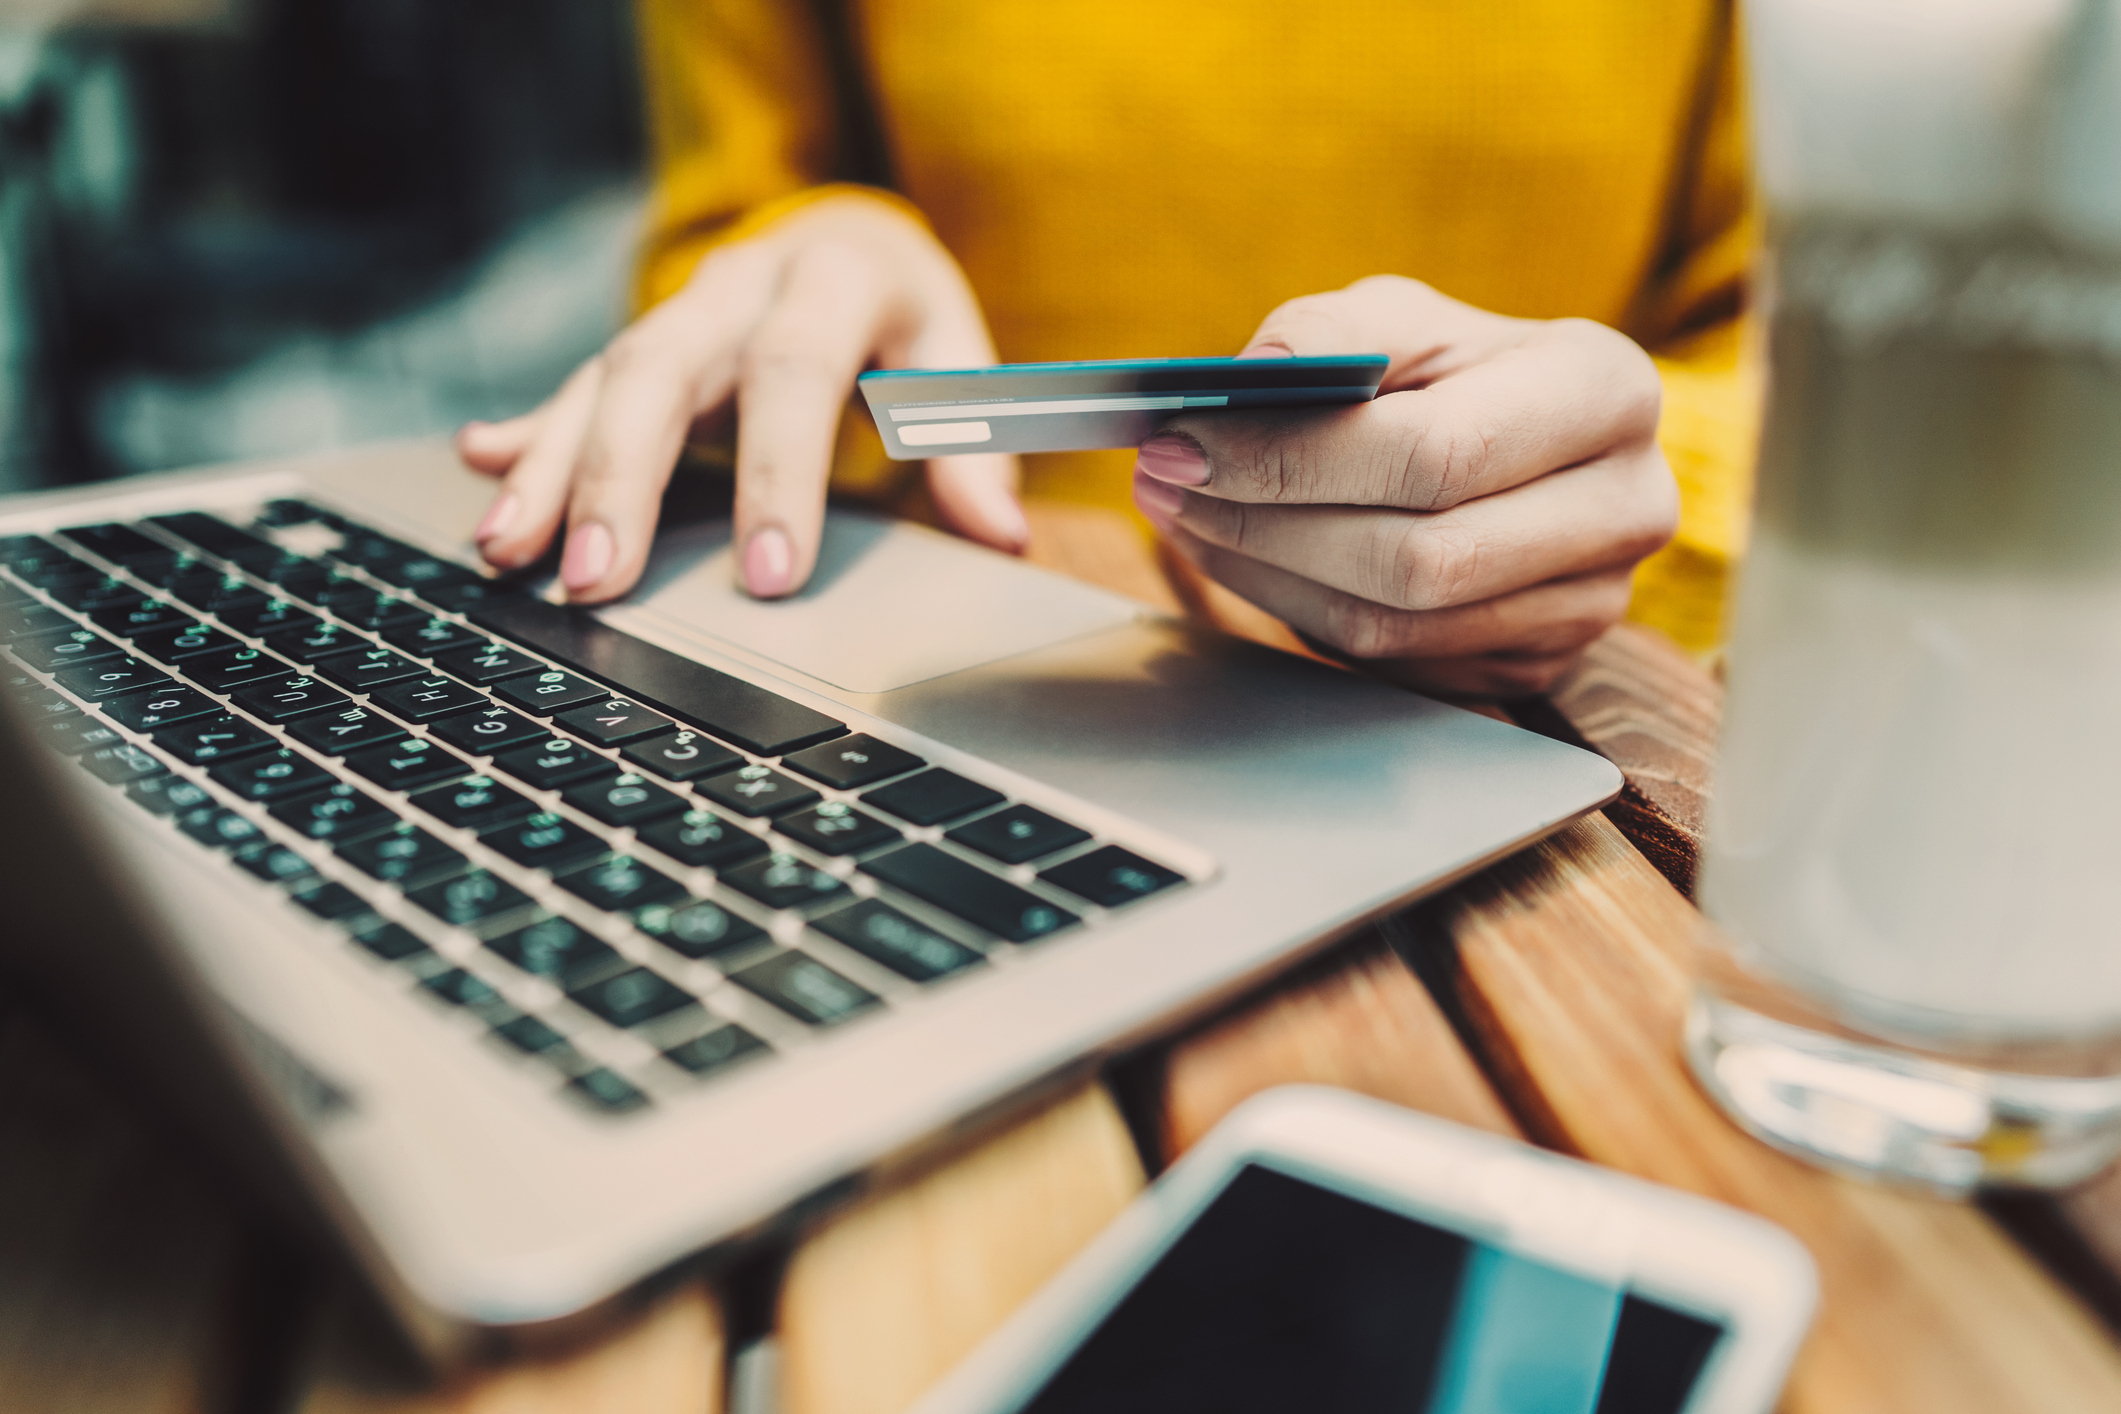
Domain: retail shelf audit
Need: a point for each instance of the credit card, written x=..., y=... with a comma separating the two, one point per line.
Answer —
x=1073, y=407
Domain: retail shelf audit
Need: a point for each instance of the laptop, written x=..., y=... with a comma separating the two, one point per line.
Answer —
x=528, y=951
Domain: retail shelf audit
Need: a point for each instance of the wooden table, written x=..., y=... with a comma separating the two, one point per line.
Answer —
x=1539, y=998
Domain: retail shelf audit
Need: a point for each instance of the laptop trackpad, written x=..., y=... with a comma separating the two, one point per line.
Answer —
x=890, y=605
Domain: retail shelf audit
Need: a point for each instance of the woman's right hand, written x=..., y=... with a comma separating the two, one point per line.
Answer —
x=776, y=327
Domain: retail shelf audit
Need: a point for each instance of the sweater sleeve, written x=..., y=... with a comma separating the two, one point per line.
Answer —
x=1693, y=319
x=744, y=122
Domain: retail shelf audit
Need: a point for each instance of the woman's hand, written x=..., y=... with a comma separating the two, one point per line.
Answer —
x=777, y=328
x=1471, y=530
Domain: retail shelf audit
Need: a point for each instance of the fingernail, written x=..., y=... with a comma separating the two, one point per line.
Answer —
x=1170, y=457
x=589, y=553
x=499, y=516
x=769, y=563
x=1159, y=502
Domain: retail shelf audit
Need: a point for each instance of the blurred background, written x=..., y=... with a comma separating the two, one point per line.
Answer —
x=236, y=228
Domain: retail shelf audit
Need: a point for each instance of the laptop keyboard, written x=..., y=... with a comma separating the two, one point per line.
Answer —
x=625, y=869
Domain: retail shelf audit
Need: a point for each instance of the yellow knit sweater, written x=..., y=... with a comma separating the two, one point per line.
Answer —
x=1138, y=178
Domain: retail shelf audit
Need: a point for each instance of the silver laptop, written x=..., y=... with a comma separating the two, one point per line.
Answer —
x=529, y=951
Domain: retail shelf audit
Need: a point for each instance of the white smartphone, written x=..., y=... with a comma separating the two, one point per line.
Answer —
x=1321, y=1251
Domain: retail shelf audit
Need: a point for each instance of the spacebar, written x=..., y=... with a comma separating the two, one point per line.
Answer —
x=723, y=706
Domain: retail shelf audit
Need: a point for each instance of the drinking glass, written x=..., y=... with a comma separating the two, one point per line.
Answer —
x=1913, y=868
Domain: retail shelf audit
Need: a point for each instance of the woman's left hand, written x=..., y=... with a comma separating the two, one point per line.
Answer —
x=1467, y=533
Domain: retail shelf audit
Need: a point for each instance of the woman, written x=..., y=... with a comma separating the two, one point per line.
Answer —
x=1099, y=178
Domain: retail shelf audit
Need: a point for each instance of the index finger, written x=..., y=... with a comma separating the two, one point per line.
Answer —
x=1563, y=394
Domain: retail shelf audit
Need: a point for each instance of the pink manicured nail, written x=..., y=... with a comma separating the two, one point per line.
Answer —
x=1170, y=457
x=769, y=563
x=589, y=554
x=1007, y=515
x=1160, y=503
x=499, y=516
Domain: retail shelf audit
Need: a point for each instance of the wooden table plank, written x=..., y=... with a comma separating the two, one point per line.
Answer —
x=888, y=1296
x=1573, y=966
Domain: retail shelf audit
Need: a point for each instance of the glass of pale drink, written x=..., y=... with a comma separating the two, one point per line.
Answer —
x=1913, y=873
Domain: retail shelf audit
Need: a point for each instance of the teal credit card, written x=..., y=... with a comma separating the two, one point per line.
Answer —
x=1073, y=407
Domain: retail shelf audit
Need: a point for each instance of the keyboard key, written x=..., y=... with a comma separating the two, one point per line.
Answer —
x=423, y=638
x=181, y=565
x=607, y=1091
x=697, y=929
x=95, y=594
x=486, y=662
x=142, y=616
x=224, y=672
x=969, y=892
x=475, y=803
x=852, y=762
x=379, y=612
x=932, y=797
x=728, y=707
x=295, y=576
x=361, y=671
x=403, y=855
x=702, y=839
x=331, y=901
x=112, y=677
x=218, y=828
x=470, y=899
x=391, y=942
x=545, y=841
x=116, y=542
x=271, y=617
x=39, y=562
x=530, y=1035
x=834, y=828
x=288, y=511
x=1018, y=834
x=166, y=795
x=340, y=588
x=422, y=699
x=26, y=618
x=177, y=644
x=805, y=988
x=625, y=801
x=318, y=641
x=407, y=764
x=724, y=1046
x=681, y=756
x=203, y=740
x=783, y=881
x=151, y=711
x=282, y=699
x=70, y=736
x=461, y=988
x=217, y=537
x=1111, y=876
x=548, y=692
x=616, y=885
x=277, y=775
x=210, y=590
x=423, y=574
x=883, y=934
x=632, y=998
x=487, y=730
x=556, y=948
x=343, y=812
x=613, y=721
x=551, y=763
x=274, y=863
x=53, y=651
x=120, y=764
x=348, y=728
x=756, y=790
x=372, y=550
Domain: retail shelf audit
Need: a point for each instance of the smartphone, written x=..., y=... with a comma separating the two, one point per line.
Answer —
x=1072, y=407
x=1321, y=1251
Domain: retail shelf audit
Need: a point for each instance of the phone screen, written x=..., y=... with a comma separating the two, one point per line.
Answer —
x=1286, y=1296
